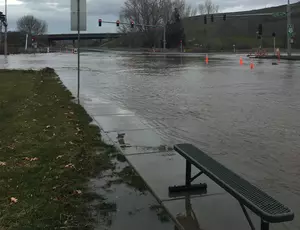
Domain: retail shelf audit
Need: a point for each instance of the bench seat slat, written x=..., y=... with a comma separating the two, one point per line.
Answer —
x=256, y=200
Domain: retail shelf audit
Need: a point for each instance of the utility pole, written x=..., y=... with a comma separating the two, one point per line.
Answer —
x=5, y=35
x=289, y=23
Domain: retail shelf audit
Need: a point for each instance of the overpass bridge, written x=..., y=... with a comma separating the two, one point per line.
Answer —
x=73, y=37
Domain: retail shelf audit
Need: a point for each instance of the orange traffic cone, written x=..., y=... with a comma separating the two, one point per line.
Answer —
x=251, y=65
x=206, y=59
x=241, y=61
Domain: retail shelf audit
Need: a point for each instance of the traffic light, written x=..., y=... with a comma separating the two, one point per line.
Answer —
x=273, y=34
x=205, y=19
x=118, y=22
x=260, y=29
x=224, y=17
x=100, y=22
x=33, y=39
x=212, y=18
x=3, y=18
x=132, y=24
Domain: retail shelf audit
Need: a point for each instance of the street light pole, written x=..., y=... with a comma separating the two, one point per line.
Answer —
x=289, y=21
x=5, y=35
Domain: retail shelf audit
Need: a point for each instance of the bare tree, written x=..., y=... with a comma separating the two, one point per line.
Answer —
x=31, y=25
x=208, y=7
x=142, y=12
x=185, y=10
x=154, y=13
x=194, y=12
x=189, y=11
x=201, y=9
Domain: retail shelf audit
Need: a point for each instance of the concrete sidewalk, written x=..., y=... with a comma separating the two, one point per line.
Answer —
x=160, y=167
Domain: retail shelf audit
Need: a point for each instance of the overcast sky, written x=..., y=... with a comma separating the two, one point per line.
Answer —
x=57, y=12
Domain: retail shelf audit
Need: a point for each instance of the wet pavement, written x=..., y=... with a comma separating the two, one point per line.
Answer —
x=246, y=119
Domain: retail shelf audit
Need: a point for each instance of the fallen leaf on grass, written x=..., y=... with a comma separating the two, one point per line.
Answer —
x=31, y=159
x=78, y=192
x=11, y=147
x=2, y=163
x=69, y=166
x=13, y=200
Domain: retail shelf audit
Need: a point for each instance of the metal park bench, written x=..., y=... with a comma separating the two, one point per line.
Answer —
x=264, y=206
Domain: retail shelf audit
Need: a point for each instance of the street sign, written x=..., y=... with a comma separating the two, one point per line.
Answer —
x=82, y=15
x=279, y=14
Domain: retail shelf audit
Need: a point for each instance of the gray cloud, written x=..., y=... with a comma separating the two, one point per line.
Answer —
x=57, y=12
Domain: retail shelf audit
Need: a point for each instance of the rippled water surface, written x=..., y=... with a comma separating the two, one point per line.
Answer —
x=247, y=119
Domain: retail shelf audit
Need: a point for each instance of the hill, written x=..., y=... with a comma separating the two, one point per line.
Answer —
x=241, y=31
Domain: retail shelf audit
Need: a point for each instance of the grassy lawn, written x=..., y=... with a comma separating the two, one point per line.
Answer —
x=48, y=151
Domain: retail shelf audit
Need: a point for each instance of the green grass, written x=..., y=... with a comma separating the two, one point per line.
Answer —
x=43, y=132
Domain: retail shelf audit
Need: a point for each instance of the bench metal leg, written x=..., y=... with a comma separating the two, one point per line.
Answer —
x=188, y=182
x=247, y=217
x=188, y=174
x=264, y=225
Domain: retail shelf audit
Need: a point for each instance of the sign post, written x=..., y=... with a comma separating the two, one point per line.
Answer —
x=78, y=23
x=5, y=35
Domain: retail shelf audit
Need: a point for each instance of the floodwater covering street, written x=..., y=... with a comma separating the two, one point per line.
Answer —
x=249, y=120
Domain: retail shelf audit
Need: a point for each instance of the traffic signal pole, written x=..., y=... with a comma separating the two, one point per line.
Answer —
x=289, y=21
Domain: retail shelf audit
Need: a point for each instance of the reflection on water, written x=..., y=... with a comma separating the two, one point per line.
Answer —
x=248, y=119
x=189, y=219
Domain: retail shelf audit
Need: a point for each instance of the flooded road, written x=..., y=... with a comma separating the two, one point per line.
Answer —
x=247, y=119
